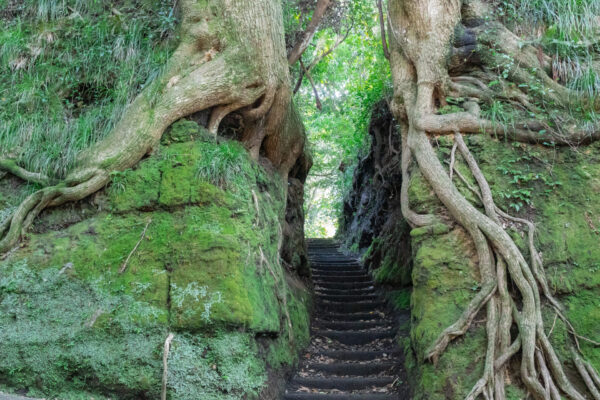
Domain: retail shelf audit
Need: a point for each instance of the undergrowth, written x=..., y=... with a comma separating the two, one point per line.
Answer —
x=568, y=30
x=68, y=69
x=222, y=367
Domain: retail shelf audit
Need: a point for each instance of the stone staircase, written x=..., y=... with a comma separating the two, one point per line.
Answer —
x=353, y=353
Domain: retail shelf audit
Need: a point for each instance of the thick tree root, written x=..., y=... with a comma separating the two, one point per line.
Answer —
x=418, y=83
x=461, y=326
x=30, y=208
x=553, y=376
x=10, y=166
x=246, y=73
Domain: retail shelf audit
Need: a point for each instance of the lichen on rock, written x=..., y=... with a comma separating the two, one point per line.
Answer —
x=74, y=325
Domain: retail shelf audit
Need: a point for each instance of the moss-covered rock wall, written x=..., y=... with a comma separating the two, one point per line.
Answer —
x=558, y=189
x=186, y=243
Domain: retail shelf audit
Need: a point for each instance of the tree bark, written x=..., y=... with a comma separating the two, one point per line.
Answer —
x=231, y=57
x=421, y=38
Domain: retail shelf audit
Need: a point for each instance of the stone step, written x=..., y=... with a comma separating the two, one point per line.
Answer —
x=348, y=297
x=351, y=325
x=368, y=290
x=345, y=285
x=357, y=316
x=336, y=267
x=341, y=279
x=333, y=259
x=340, y=272
x=345, y=307
x=355, y=337
x=351, y=369
x=342, y=383
x=349, y=355
x=339, y=396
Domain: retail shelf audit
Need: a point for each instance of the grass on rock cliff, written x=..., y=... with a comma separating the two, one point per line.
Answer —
x=68, y=69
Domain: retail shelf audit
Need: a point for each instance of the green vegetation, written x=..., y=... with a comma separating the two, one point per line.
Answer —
x=569, y=33
x=69, y=68
x=444, y=267
x=224, y=367
x=349, y=81
x=92, y=330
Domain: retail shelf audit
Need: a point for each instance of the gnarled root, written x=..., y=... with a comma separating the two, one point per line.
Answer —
x=10, y=166
x=203, y=73
x=30, y=208
x=420, y=75
x=539, y=360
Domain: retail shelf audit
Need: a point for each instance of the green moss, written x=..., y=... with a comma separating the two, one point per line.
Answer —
x=200, y=267
x=457, y=370
x=392, y=271
x=185, y=131
x=421, y=195
x=435, y=229
x=50, y=345
x=442, y=268
x=223, y=366
x=216, y=256
x=279, y=351
x=400, y=299
x=139, y=189
x=583, y=310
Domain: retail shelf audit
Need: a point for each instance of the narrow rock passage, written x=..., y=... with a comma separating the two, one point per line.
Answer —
x=353, y=354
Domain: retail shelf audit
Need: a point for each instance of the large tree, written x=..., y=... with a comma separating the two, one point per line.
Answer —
x=231, y=57
x=431, y=43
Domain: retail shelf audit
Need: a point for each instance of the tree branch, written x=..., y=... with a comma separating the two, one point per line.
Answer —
x=386, y=50
x=310, y=31
x=312, y=83
x=321, y=57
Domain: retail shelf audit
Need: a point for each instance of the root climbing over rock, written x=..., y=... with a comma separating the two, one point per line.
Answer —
x=420, y=77
x=229, y=59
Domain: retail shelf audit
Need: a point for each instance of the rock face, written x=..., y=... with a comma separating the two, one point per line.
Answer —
x=196, y=230
x=294, y=250
x=372, y=219
x=557, y=188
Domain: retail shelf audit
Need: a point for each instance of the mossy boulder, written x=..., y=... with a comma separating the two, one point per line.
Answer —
x=170, y=247
x=559, y=190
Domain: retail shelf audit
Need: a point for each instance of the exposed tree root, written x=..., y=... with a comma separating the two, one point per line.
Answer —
x=246, y=72
x=165, y=375
x=420, y=78
x=9, y=166
x=281, y=296
x=461, y=325
x=124, y=266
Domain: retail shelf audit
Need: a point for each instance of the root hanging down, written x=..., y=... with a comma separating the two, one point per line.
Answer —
x=22, y=218
x=541, y=370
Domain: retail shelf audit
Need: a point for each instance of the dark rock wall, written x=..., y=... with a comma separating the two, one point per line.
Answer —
x=372, y=220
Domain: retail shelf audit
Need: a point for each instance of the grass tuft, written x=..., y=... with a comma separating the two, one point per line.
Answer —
x=68, y=68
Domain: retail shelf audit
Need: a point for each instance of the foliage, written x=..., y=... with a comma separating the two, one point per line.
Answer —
x=69, y=68
x=225, y=166
x=349, y=81
x=570, y=34
x=522, y=177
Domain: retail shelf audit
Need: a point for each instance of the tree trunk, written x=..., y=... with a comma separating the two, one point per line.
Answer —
x=231, y=58
x=421, y=42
